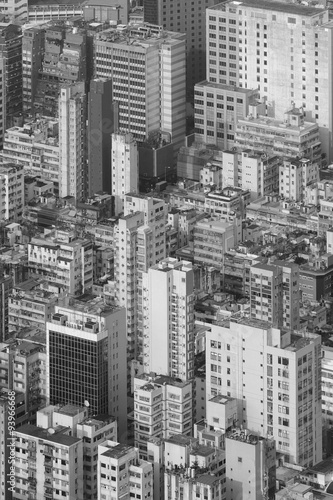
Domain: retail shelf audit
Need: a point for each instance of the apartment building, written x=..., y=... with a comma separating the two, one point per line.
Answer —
x=86, y=357
x=124, y=170
x=162, y=407
x=139, y=243
x=72, y=142
x=275, y=377
x=51, y=459
x=154, y=98
x=292, y=136
x=65, y=62
x=16, y=11
x=121, y=473
x=168, y=319
x=327, y=386
x=35, y=146
x=6, y=284
x=91, y=430
x=211, y=240
x=23, y=370
x=250, y=466
x=29, y=305
x=275, y=294
x=282, y=50
x=295, y=176
x=11, y=192
x=63, y=260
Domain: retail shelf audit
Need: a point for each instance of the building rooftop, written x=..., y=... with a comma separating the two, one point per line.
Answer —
x=56, y=435
x=288, y=8
x=324, y=467
x=118, y=451
x=221, y=399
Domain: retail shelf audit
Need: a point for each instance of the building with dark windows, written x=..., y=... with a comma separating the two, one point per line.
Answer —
x=86, y=357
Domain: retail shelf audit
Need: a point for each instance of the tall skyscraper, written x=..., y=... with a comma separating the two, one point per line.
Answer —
x=125, y=169
x=284, y=50
x=72, y=142
x=168, y=319
x=11, y=68
x=100, y=127
x=139, y=244
x=184, y=16
x=274, y=294
x=275, y=377
x=153, y=98
x=86, y=358
x=33, y=41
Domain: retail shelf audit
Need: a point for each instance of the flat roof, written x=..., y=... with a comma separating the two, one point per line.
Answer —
x=58, y=435
x=118, y=451
x=288, y=8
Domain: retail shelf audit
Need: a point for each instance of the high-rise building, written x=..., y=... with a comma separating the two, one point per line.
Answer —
x=153, y=99
x=121, y=474
x=250, y=466
x=64, y=261
x=35, y=146
x=6, y=285
x=86, y=358
x=163, y=407
x=174, y=16
x=72, y=142
x=275, y=295
x=100, y=127
x=33, y=40
x=11, y=67
x=15, y=10
x=275, y=377
x=168, y=319
x=295, y=175
x=124, y=170
x=139, y=244
x=11, y=192
x=212, y=239
x=64, y=63
x=288, y=57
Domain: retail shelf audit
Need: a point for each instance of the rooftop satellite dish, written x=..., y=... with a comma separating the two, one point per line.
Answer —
x=86, y=403
x=50, y=430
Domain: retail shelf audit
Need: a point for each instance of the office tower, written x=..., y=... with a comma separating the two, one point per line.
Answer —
x=168, y=319
x=295, y=175
x=139, y=243
x=300, y=137
x=72, y=142
x=250, y=466
x=63, y=260
x=6, y=285
x=11, y=192
x=154, y=98
x=274, y=294
x=125, y=169
x=121, y=474
x=211, y=240
x=217, y=108
x=11, y=67
x=33, y=40
x=86, y=356
x=275, y=377
x=50, y=454
x=163, y=407
x=288, y=55
x=187, y=17
x=100, y=127
x=61, y=422
x=64, y=63
x=23, y=365
x=35, y=146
